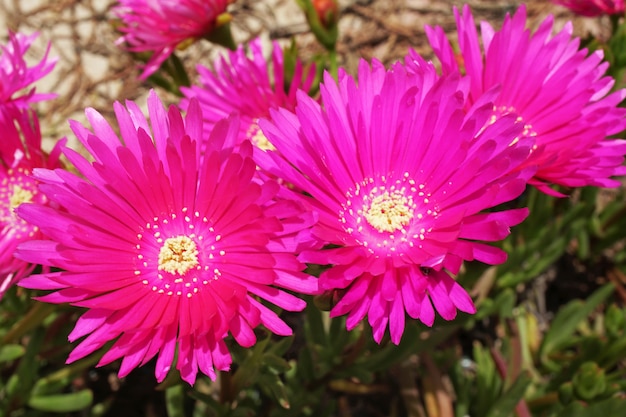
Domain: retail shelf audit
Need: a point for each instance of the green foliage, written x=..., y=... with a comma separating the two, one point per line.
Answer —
x=610, y=407
x=61, y=403
x=565, y=323
x=11, y=352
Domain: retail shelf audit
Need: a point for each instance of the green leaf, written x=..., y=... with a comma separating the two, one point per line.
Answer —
x=223, y=36
x=488, y=383
x=210, y=402
x=583, y=244
x=178, y=71
x=338, y=335
x=273, y=385
x=11, y=352
x=243, y=412
x=356, y=371
x=505, y=302
x=21, y=382
x=174, y=401
x=609, y=408
x=35, y=316
x=612, y=354
x=276, y=363
x=314, y=326
x=62, y=403
x=304, y=365
x=506, y=403
x=462, y=390
x=538, y=264
x=567, y=320
x=58, y=380
x=590, y=382
x=388, y=355
x=412, y=342
x=251, y=365
x=281, y=347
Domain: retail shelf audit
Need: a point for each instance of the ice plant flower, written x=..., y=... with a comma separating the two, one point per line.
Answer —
x=248, y=85
x=159, y=26
x=398, y=174
x=593, y=7
x=16, y=76
x=20, y=153
x=168, y=251
x=558, y=91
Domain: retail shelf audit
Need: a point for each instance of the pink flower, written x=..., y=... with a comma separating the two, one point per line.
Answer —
x=246, y=85
x=593, y=7
x=398, y=174
x=559, y=93
x=16, y=75
x=20, y=153
x=169, y=252
x=159, y=26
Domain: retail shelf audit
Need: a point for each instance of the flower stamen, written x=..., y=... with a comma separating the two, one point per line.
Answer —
x=388, y=212
x=19, y=196
x=178, y=255
x=256, y=136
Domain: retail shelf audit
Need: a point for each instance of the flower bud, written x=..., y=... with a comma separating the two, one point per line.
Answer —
x=327, y=11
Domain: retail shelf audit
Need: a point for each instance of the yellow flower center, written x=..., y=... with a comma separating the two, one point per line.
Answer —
x=389, y=212
x=19, y=196
x=178, y=255
x=255, y=134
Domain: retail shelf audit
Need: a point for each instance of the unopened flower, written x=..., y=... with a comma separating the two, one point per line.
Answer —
x=593, y=7
x=398, y=174
x=327, y=11
x=559, y=93
x=20, y=153
x=16, y=76
x=159, y=26
x=169, y=251
x=250, y=86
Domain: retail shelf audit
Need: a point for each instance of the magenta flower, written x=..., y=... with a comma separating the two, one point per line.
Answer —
x=246, y=85
x=20, y=153
x=159, y=26
x=170, y=252
x=559, y=93
x=398, y=174
x=593, y=7
x=16, y=77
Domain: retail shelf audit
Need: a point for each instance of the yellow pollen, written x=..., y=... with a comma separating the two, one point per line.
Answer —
x=389, y=212
x=19, y=196
x=178, y=255
x=255, y=134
